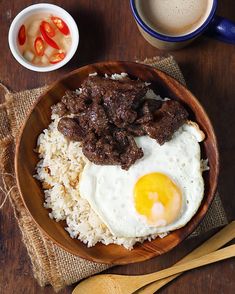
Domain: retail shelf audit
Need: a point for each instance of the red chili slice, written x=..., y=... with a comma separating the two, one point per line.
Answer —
x=61, y=25
x=22, y=35
x=47, y=39
x=48, y=29
x=57, y=57
x=39, y=46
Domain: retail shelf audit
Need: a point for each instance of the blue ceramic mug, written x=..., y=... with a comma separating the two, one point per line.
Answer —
x=213, y=26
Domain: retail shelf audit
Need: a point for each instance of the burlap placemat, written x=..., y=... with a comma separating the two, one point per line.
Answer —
x=51, y=264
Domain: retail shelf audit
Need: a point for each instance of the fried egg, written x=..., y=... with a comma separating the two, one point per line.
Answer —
x=159, y=193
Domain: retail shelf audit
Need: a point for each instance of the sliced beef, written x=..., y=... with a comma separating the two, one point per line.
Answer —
x=71, y=129
x=136, y=130
x=108, y=114
x=94, y=120
x=166, y=121
x=76, y=103
x=120, y=98
x=147, y=110
x=98, y=86
x=119, y=149
x=102, y=151
x=119, y=108
x=98, y=120
x=131, y=154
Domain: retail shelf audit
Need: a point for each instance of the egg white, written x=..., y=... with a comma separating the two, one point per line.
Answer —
x=109, y=189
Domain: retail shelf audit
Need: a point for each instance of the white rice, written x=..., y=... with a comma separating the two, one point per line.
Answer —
x=61, y=163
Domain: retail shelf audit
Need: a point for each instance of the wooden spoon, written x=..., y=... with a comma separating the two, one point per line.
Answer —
x=118, y=284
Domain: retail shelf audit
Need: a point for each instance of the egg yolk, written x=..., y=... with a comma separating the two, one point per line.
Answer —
x=157, y=198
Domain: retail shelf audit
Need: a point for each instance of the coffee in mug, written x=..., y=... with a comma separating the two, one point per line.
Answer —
x=172, y=24
x=174, y=17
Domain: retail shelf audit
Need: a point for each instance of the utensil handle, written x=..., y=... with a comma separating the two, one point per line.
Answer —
x=215, y=242
x=218, y=255
x=222, y=29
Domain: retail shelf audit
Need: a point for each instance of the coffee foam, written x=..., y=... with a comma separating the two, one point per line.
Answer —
x=174, y=17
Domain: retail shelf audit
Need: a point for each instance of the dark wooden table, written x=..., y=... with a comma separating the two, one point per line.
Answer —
x=108, y=31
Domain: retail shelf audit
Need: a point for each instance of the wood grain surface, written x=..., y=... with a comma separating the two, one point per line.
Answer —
x=108, y=31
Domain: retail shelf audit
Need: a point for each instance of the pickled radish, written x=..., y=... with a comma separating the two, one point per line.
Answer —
x=49, y=51
x=33, y=29
x=28, y=55
x=44, y=60
x=37, y=60
x=65, y=43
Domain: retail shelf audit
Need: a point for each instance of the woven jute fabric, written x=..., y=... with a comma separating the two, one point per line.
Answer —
x=51, y=264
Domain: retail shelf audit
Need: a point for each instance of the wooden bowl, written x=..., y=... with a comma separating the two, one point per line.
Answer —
x=32, y=193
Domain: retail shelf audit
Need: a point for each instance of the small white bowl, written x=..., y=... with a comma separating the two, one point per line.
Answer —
x=42, y=8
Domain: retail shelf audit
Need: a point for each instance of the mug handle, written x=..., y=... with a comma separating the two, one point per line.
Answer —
x=222, y=29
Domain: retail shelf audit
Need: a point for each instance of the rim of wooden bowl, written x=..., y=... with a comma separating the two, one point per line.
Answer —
x=184, y=231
